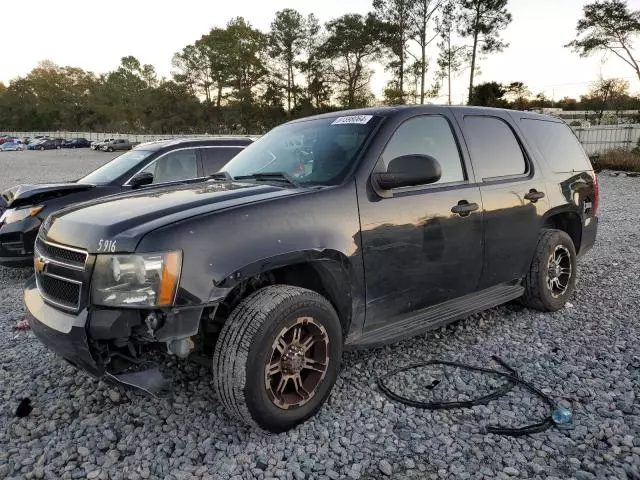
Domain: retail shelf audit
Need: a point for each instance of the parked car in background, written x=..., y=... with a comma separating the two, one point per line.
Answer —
x=118, y=144
x=77, y=143
x=5, y=139
x=149, y=165
x=34, y=143
x=16, y=145
x=50, y=144
x=98, y=144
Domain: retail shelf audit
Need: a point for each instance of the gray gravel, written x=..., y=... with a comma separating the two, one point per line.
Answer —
x=587, y=356
x=33, y=166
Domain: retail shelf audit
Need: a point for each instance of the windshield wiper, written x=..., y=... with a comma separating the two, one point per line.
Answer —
x=280, y=177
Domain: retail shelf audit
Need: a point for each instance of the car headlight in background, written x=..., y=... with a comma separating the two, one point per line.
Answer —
x=12, y=215
x=135, y=280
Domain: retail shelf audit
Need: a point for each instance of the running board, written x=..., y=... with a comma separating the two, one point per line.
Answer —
x=436, y=316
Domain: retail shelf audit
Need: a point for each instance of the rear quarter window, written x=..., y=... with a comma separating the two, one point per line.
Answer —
x=557, y=144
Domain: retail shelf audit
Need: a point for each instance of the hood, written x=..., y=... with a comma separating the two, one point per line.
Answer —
x=24, y=195
x=125, y=219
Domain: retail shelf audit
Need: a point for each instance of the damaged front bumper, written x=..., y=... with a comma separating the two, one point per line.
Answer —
x=85, y=338
x=16, y=242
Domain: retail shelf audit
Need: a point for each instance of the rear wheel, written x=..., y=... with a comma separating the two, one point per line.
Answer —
x=110, y=149
x=42, y=149
x=552, y=276
x=277, y=357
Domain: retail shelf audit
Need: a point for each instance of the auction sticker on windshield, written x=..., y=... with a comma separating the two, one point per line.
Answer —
x=351, y=119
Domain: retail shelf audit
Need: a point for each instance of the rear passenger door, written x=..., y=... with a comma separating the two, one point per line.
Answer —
x=214, y=158
x=513, y=194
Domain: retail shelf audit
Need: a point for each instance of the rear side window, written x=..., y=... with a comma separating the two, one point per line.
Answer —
x=213, y=159
x=427, y=135
x=557, y=144
x=495, y=151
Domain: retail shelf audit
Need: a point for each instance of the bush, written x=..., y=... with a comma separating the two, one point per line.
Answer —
x=620, y=160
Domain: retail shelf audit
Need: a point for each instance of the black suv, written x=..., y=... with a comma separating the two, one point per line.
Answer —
x=345, y=230
x=24, y=207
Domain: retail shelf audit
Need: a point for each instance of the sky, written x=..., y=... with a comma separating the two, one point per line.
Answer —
x=95, y=34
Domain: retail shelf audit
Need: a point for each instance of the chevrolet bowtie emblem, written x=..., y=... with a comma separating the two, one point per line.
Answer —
x=39, y=264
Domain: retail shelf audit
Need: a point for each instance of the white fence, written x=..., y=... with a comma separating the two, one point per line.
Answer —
x=602, y=138
x=91, y=136
x=595, y=140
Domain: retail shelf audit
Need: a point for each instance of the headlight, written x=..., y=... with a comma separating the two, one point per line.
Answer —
x=148, y=279
x=12, y=215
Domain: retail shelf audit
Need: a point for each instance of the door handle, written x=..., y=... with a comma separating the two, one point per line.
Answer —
x=533, y=196
x=464, y=208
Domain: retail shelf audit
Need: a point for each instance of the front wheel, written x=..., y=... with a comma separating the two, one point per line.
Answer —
x=110, y=149
x=42, y=149
x=277, y=357
x=552, y=276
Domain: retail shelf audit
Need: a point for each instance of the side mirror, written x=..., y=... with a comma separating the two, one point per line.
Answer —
x=141, y=179
x=409, y=171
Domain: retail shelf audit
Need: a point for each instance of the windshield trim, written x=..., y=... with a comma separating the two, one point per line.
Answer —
x=117, y=179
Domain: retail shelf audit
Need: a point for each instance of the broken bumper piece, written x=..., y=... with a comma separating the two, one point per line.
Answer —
x=66, y=335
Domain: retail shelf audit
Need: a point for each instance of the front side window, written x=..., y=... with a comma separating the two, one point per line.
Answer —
x=495, y=151
x=116, y=167
x=427, y=135
x=174, y=166
x=312, y=152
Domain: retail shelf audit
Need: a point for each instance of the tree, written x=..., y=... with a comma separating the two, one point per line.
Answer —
x=419, y=23
x=489, y=94
x=452, y=57
x=286, y=41
x=482, y=20
x=315, y=67
x=353, y=41
x=608, y=26
x=606, y=94
x=517, y=94
x=395, y=17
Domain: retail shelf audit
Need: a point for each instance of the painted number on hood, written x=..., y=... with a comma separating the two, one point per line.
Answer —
x=106, y=245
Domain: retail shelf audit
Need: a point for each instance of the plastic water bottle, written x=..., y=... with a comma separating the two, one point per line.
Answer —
x=561, y=415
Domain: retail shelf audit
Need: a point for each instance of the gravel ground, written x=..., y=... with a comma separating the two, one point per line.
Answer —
x=33, y=166
x=586, y=356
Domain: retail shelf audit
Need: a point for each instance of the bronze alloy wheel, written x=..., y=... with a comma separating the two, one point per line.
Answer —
x=559, y=271
x=298, y=363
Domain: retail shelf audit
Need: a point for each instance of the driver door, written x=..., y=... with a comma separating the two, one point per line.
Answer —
x=417, y=253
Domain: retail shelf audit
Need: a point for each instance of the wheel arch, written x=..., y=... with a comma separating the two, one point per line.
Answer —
x=568, y=221
x=327, y=272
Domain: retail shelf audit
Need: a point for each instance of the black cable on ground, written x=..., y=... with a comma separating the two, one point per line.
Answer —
x=511, y=375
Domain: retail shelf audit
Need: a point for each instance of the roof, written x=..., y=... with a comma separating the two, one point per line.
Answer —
x=432, y=108
x=195, y=141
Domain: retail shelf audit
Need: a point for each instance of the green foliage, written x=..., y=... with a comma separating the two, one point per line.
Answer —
x=353, y=42
x=608, y=26
x=286, y=42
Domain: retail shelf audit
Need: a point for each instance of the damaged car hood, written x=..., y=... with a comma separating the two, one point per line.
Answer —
x=24, y=195
x=125, y=219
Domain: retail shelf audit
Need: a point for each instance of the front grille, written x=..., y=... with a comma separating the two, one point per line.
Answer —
x=60, y=291
x=60, y=273
x=60, y=253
